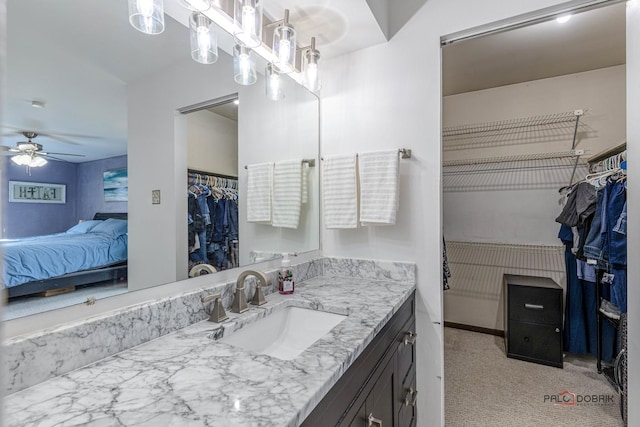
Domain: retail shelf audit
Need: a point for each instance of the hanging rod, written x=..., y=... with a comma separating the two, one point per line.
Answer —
x=523, y=122
x=608, y=153
x=404, y=152
x=212, y=174
x=310, y=162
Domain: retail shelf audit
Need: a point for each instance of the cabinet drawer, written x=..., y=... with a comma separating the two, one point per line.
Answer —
x=535, y=343
x=406, y=352
x=535, y=304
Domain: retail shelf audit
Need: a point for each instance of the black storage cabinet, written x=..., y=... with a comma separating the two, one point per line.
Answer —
x=533, y=319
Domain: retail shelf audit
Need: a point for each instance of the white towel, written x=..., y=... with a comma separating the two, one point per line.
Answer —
x=287, y=193
x=379, y=181
x=340, y=191
x=259, y=189
x=305, y=182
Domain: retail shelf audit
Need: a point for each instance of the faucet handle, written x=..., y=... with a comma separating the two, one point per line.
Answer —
x=217, y=313
x=258, y=295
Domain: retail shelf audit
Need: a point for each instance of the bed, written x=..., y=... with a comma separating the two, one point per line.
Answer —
x=89, y=252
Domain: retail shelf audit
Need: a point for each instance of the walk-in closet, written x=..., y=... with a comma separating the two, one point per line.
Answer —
x=534, y=221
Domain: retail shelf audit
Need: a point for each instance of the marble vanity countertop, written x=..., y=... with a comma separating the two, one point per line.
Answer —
x=187, y=378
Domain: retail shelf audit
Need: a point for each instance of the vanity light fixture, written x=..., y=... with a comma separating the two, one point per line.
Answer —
x=204, y=43
x=244, y=66
x=195, y=5
x=247, y=17
x=310, y=67
x=284, y=45
x=273, y=83
x=147, y=16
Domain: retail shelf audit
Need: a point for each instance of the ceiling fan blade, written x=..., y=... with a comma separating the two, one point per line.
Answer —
x=60, y=154
x=60, y=139
x=53, y=157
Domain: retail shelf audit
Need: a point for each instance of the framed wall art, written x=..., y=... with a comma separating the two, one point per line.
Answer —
x=37, y=192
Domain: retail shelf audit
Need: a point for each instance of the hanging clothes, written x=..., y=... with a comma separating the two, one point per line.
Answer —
x=446, y=272
x=217, y=201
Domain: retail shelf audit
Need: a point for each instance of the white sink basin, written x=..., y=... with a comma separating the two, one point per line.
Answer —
x=285, y=333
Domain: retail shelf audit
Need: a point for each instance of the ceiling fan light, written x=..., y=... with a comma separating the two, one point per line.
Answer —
x=37, y=162
x=21, y=159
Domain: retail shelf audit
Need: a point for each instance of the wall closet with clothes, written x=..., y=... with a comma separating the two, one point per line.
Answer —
x=213, y=220
x=506, y=151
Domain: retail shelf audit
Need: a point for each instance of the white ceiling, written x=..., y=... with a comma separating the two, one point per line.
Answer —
x=588, y=41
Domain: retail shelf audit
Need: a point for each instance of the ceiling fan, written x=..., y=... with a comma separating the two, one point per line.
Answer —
x=31, y=154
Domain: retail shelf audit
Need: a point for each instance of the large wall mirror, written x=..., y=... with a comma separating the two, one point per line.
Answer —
x=126, y=123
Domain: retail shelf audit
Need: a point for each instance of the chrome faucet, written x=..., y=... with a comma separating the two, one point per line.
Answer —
x=239, y=304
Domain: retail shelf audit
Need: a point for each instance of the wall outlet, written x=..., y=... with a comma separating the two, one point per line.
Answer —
x=155, y=197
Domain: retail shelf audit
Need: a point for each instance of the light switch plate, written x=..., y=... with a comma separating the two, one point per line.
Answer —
x=155, y=197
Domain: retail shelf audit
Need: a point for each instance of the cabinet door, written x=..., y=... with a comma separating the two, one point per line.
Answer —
x=381, y=402
x=407, y=413
x=360, y=419
x=406, y=354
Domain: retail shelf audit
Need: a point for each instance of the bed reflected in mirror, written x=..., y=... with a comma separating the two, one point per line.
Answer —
x=124, y=152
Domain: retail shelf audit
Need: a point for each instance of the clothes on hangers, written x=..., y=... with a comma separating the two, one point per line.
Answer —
x=217, y=203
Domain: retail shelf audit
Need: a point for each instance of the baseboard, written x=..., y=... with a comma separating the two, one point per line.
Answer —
x=495, y=332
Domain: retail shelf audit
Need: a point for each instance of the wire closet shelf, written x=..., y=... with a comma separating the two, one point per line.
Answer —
x=515, y=172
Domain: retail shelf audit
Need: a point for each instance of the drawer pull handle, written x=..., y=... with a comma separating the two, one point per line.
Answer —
x=374, y=421
x=410, y=338
x=534, y=306
x=411, y=397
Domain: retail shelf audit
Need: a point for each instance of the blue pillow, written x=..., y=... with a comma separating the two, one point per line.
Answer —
x=83, y=227
x=112, y=227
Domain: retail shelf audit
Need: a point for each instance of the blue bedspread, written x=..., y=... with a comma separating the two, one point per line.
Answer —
x=44, y=257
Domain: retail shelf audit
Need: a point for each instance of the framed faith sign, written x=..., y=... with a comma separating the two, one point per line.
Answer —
x=37, y=192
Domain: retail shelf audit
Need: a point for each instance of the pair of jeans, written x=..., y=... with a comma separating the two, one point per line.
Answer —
x=618, y=240
x=619, y=288
x=219, y=222
x=595, y=238
x=233, y=219
x=201, y=254
x=204, y=207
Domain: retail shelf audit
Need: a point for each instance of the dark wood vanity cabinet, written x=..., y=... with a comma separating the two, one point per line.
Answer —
x=379, y=389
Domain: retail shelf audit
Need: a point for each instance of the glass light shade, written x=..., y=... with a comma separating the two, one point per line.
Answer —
x=247, y=17
x=37, y=161
x=147, y=16
x=27, y=160
x=244, y=66
x=284, y=48
x=21, y=159
x=273, y=83
x=311, y=72
x=196, y=5
x=204, y=43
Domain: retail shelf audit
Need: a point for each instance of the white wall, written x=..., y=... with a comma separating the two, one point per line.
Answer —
x=633, y=155
x=212, y=142
x=528, y=216
x=389, y=96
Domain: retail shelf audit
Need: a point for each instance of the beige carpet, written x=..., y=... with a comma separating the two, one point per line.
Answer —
x=485, y=388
